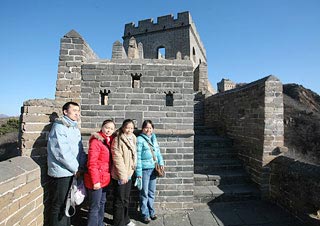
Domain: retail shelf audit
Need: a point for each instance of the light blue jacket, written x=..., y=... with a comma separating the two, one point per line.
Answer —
x=65, y=149
x=145, y=158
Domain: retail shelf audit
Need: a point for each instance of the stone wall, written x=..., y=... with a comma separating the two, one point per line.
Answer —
x=21, y=194
x=295, y=186
x=252, y=116
x=73, y=52
x=36, y=118
x=173, y=124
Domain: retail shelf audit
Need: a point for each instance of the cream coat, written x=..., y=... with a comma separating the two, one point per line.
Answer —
x=124, y=157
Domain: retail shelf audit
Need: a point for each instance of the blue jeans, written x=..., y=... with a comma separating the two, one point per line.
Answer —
x=97, y=200
x=147, y=193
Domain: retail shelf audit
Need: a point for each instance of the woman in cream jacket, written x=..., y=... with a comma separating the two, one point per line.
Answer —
x=124, y=159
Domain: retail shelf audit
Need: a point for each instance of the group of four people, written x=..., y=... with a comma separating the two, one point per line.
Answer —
x=113, y=157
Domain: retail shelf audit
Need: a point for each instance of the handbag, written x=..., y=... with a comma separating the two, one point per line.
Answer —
x=76, y=196
x=158, y=170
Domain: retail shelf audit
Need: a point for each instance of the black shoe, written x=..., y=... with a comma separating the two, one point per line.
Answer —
x=154, y=217
x=146, y=220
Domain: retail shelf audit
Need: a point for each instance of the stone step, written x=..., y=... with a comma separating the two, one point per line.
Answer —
x=210, y=168
x=215, y=154
x=227, y=193
x=222, y=178
x=217, y=164
x=210, y=145
x=214, y=150
x=201, y=130
x=213, y=140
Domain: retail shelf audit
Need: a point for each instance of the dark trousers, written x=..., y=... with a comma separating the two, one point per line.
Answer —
x=97, y=200
x=59, y=193
x=121, y=203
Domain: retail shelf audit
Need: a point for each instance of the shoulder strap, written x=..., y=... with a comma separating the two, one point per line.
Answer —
x=151, y=149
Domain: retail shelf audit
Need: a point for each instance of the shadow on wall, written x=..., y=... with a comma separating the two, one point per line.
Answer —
x=39, y=155
x=295, y=186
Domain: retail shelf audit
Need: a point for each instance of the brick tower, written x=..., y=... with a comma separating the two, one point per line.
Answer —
x=168, y=38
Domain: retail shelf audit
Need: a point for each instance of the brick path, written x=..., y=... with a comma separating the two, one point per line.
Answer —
x=247, y=213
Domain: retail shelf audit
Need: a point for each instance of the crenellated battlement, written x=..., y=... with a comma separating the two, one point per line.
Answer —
x=163, y=23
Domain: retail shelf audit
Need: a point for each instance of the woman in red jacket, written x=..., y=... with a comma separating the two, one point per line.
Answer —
x=98, y=176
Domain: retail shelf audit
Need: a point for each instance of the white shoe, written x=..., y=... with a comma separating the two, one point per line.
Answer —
x=131, y=224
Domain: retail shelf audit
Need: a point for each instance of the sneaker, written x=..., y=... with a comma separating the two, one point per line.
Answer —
x=131, y=224
x=154, y=217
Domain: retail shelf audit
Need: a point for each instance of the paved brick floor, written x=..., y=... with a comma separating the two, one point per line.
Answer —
x=247, y=213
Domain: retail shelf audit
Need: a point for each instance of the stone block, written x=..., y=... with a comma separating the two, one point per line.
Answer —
x=35, y=217
x=31, y=194
x=40, y=109
x=16, y=217
x=5, y=199
x=66, y=46
x=67, y=58
x=5, y=213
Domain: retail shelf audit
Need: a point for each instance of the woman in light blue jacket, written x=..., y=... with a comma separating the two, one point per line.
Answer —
x=145, y=169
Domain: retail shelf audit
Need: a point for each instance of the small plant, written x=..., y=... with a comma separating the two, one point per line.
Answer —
x=12, y=125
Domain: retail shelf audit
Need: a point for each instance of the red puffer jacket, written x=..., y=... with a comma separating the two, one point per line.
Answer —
x=98, y=161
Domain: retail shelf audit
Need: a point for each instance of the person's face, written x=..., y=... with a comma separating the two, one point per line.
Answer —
x=108, y=128
x=148, y=129
x=128, y=129
x=73, y=112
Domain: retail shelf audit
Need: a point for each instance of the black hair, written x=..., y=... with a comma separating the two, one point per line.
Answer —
x=107, y=121
x=120, y=130
x=66, y=106
x=124, y=124
x=146, y=122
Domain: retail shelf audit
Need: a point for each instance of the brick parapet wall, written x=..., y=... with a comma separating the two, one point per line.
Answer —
x=295, y=186
x=36, y=120
x=21, y=194
x=74, y=51
x=252, y=116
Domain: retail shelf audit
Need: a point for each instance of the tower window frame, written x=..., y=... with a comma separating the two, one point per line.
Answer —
x=104, y=97
x=169, y=99
x=136, y=80
x=161, y=52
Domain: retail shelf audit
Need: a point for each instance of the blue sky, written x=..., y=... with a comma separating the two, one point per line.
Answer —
x=245, y=40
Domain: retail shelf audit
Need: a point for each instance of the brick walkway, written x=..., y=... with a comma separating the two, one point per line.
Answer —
x=247, y=213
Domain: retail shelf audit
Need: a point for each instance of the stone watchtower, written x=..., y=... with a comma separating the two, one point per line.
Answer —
x=225, y=84
x=168, y=38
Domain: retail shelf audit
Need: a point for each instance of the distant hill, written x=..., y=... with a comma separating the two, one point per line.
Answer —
x=302, y=123
x=9, y=130
x=3, y=116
